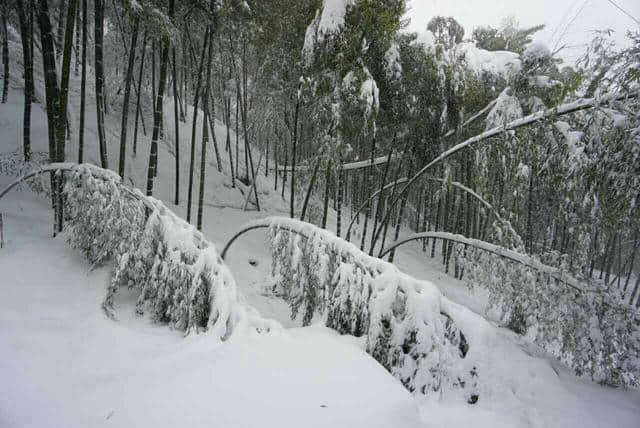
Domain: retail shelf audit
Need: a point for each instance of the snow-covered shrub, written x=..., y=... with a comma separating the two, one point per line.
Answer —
x=403, y=320
x=180, y=276
x=591, y=330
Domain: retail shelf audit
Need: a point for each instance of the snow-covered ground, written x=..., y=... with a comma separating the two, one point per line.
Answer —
x=63, y=363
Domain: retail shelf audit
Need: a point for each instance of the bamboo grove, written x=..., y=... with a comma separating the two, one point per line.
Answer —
x=363, y=127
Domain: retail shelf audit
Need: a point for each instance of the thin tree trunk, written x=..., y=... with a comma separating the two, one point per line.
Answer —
x=293, y=158
x=157, y=116
x=5, y=54
x=99, y=73
x=138, y=112
x=312, y=182
x=76, y=70
x=26, y=36
x=59, y=38
x=195, y=118
x=62, y=101
x=227, y=102
x=376, y=214
x=83, y=83
x=339, y=203
x=51, y=82
x=327, y=187
x=127, y=95
x=176, y=199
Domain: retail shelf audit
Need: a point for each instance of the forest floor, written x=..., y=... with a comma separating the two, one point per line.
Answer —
x=64, y=363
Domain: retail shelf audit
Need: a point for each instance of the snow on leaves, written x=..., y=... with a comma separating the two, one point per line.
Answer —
x=403, y=320
x=590, y=331
x=181, y=278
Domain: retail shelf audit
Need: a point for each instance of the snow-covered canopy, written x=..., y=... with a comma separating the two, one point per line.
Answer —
x=329, y=20
x=499, y=63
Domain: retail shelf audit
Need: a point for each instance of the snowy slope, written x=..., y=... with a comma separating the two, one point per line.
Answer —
x=66, y=364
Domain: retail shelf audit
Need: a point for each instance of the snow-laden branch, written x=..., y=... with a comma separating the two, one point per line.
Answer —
x=347, y=166
x=553, y=272
x=473, y=118
x=180, y=276
x=405, y=321
x=561, y=110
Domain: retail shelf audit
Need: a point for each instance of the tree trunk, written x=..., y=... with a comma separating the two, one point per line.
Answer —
x=59, y=39
x=62, y=101
x=5, y=53
x=176, y=102
x=339, y=203
x=127, y=95
x=76, y=70
x=157, y=116
x=293, y=158
x=227, y=103
x=195, y=118
x=312, y=182
x=26, y=35
x=50, y=80
x=138, y=112
x=83, y=83
x=327, y=192
x=99, y=73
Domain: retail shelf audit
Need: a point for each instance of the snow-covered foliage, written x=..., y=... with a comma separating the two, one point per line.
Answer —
x=13, y=165
x=404, y=320
x=327, y=22
x=591, y=330
x=498, y=63
x=506, y=109
x=181, y=279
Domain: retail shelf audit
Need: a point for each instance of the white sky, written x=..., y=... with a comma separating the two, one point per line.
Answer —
x=568, y=22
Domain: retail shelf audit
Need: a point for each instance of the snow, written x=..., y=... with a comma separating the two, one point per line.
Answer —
x=392, y=62
x=332, y=16
x=536, y=51
x=67, y=364
x=369, y=95
x=499, y=63
x=328, y=21
x=64, y=363
x=427, y=40
x=506, y=109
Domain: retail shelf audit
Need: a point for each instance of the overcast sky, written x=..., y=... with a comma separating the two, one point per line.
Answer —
x=569, y=22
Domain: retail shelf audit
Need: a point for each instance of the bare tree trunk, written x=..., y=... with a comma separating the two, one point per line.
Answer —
x=59, y=39
x=5, y=53
x=127, y=95
x=157, y=116
x=76, y=70
x=293, y=158
x=83, y=83
x=312, y=182
x=62, y=101
x=195, y=118
x=380, y=198
x=50, y=79
x=339, y=203
x=227, y=103
x=138, y=112
x=176, y=102
x=99, y=72
x=327, y=192
x=26, y=36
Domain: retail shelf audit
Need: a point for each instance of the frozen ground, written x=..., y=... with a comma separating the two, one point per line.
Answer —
x=64, y=364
